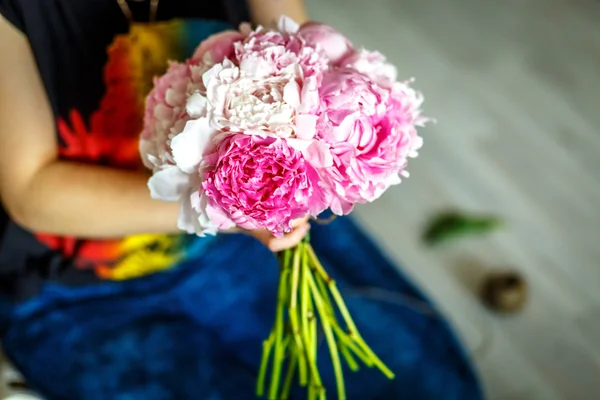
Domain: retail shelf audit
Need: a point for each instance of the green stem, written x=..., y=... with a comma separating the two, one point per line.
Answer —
x=315, y=391
x=310, y=327
x=346, y=316
x=279, y=332
x=285, y=344
x=295, y=276
x=348, y=357
x=287, y=384
x=317, y=264
x=325, y=295
x=352, y=345
x=312, y=321
x=294, y=314
x=287, y=254
x=333, y=350
x=305, y=305
x=354, y=332
x=312, y=392
x=264, y=362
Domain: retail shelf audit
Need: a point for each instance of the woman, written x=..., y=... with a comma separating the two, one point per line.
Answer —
x=153, y=314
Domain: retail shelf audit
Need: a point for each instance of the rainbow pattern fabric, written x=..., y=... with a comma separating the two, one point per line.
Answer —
x=111, y=136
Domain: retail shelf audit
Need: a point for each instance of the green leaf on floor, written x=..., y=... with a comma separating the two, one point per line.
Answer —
x=452, y=225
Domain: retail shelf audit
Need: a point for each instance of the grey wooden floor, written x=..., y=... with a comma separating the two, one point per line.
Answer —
x=515, y=85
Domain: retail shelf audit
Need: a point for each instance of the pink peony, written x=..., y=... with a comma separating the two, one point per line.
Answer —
x=345, y=92
x=329, y=41
x=165, y=114
x=269, y=53
x=373, y=64
x=166, y=103
x=260, y=183
x=370, y=131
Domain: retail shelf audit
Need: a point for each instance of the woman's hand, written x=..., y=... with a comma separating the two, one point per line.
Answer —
x=289, y=240
x=267, y=12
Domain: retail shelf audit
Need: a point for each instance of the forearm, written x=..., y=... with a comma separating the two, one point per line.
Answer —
x=90, y=201
x=267, y=12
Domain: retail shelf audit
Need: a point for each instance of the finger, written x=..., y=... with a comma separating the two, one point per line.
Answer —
x=245, y=28
x=299, y=222
x=289, y=240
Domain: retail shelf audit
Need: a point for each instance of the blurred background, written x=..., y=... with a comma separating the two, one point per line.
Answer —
x=515, y=87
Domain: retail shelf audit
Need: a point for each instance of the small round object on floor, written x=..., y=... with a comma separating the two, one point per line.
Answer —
x=505, y=291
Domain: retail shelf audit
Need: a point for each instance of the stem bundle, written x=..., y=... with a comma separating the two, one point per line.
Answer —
x=305, y=287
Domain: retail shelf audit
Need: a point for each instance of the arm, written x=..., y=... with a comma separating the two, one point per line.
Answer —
x=267, y=12
x=46, y=194
x=43, y=193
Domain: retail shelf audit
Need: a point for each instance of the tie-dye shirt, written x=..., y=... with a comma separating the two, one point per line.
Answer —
x=97, y=69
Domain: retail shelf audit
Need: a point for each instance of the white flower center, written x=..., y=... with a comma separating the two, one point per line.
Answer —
x=252, y=105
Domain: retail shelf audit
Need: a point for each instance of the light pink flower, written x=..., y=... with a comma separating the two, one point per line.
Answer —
x=273, y=106
x=269, y=53
x=174, y=100
x=373, y=64
x=371, y=132
x=329, y=41
x=240, y=104
x=346, y=92
x=166, y=104
x=176, y=130
x=259, y=182
x=165, y=114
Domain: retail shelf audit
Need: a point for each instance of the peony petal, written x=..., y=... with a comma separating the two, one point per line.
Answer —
x=335, y=45
x=168, y=184
x=189, y=146
x=291, y=93
x=417, y=143
x=148, y=153
x=310, y=95
x=174, y=98
x=188, y=216
x=321, y=195
x=209, y=218
x=211, y=73
x=393, y=179
x=287, y=25
x=204, y=225
x=339, y=206
x=196, y=106
x=318, y=154
x=162, y=112
x=306, y=126
x=298, y=144
x=243, y=221
x=218, y=217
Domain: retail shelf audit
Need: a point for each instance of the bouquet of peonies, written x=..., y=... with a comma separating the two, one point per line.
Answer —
x=262, y=127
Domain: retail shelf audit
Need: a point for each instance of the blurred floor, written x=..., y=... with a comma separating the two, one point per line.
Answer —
x=515, y=85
